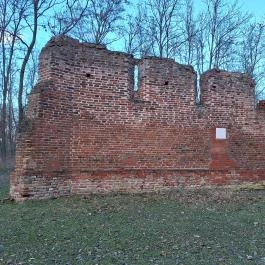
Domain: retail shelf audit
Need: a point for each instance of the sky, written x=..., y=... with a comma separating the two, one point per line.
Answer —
x=256, y=7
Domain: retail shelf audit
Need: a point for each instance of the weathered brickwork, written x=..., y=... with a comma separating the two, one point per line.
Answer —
x=87, y=130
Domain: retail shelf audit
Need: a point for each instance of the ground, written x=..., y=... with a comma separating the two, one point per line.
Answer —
x=206, y=226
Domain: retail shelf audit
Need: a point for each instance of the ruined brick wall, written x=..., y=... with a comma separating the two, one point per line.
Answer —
x=87, y=130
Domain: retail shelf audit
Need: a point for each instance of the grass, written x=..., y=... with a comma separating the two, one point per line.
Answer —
x=217, y=227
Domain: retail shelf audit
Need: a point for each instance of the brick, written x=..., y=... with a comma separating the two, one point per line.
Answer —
x=87, y=130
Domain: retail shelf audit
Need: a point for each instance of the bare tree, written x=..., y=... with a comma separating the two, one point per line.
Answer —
x=187, y=52
x=163, y=26
x=130, y=34
x=252, y=54
x=100, y=20
x=11, y=18
x=224, y=22
x=66, y=18
x=37, y=9
x=135, y=34
x=31, y=74
x=11, y=115
x=200, y=46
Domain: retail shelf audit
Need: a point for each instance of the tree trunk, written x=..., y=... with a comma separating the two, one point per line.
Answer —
x=24, y=63
x=3, y=124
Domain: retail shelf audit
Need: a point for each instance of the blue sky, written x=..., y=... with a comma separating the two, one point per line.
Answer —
x=256, y=7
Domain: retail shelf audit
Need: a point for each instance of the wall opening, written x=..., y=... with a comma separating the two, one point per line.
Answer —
x=198, y=92
x=136, y=78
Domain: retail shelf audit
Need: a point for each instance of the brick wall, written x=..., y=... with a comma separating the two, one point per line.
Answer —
x=87, y=130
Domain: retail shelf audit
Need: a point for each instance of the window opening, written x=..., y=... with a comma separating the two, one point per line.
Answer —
x=136, y=78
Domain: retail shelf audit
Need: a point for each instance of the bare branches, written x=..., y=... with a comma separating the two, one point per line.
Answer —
x=67, y=18
x=223, y=26
x=163, y=26
x=135, y=34
x=252, y=54
x=100, y=20
x=154, y=29
x=11, y=18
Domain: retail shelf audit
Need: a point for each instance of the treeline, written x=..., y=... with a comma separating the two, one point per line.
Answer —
x=215, y=34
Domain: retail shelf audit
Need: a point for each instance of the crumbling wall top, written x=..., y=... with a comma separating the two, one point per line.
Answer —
x=63, y=40
x=157, y=78
x=66, y=41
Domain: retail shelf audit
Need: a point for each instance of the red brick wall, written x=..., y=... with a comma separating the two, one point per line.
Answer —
x=87, y=130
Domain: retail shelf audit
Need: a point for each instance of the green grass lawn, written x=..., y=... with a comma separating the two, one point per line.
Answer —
x=217, y=227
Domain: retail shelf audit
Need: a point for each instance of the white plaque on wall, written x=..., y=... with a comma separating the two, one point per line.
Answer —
x=221, y=133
